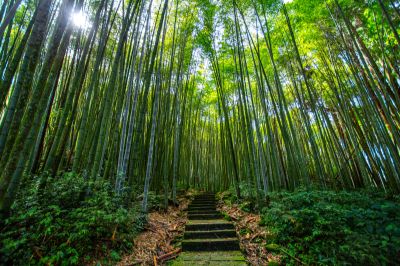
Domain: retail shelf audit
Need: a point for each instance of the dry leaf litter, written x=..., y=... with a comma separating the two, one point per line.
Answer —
x=253, y=241
x=154, y=246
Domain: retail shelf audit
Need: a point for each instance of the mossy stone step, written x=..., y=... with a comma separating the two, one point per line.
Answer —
x=203, y=203
x=215, y=258
x=210, y=234
x=203, y=212
x=205, y=216
x=205, y=197
x=211, y=206
x=205, y=225
x=196, y=208
x=210, y=244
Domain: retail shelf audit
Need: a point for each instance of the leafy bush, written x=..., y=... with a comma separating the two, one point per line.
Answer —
x=248, y=193
x=63, y=225
x=327, y=227
x=154, y=201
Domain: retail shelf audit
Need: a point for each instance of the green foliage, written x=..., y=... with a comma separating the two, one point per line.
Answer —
x=327, y=227
x=247, y=206
x=247, y=202
x=273, y=263
x=244, y=231
x=273, y=247
x=62, y=225
x=227, y=196
x=114, y=255
x=155, y=201
x=227, y=217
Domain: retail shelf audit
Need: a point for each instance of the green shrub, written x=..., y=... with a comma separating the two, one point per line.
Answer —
x=227, y=217
x=248, y=193
x=66, y=225
x=154, y=201
x=326, y=227
x=244, y=231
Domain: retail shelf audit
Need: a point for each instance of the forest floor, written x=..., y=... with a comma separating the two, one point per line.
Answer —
x=159, y=242
x=252, y=236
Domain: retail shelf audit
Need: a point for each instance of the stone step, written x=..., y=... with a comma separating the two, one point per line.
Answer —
x=196, y=208
x=202, y=205
x=210, y=258
x=201, y=225
x=205, y=197
x=204, y=201
x=209, y=234
x=204, y=216
x=210, y=244
x=203, y=212
x=199, y=204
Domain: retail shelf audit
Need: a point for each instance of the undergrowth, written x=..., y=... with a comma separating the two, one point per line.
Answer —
x=335, y=228
x=63, y=224
x=330, y=227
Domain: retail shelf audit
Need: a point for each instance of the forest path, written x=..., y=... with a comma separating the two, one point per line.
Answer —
x=208, y=239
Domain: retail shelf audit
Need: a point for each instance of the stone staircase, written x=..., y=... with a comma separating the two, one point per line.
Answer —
x=208, y=238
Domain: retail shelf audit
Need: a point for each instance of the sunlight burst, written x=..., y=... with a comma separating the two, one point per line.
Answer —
x=79, y=19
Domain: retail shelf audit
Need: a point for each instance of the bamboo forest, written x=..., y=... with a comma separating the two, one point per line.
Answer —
x=199, y=132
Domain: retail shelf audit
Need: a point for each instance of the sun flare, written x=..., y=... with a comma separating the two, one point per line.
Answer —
x=80, y=20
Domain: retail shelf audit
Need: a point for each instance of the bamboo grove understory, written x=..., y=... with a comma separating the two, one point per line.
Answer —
x=207, y=94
